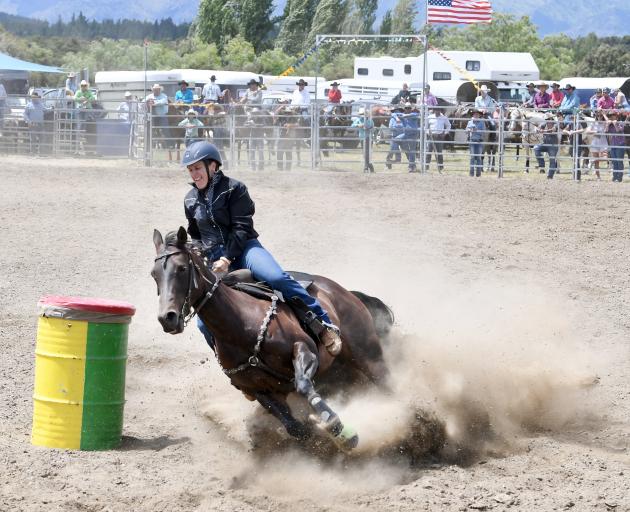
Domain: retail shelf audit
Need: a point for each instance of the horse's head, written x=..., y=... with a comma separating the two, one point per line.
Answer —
x=515, y=116
x=174, y=273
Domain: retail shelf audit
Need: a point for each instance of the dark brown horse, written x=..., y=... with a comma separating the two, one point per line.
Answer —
x=262, y=347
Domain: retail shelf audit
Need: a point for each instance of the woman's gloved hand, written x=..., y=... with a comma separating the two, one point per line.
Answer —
x=222, y=265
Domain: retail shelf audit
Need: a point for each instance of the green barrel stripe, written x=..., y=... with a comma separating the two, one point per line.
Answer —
x=104, y=388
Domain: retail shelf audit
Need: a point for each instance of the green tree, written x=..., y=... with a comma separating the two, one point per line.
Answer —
x=555, y=57
x=296, y=24
x=273, y=62
x=217, y=21
x=361, y=17
x=329, y=18
x=403, y=22
x=197, y=55
x=605, y=60
x=254, y=22
x=239, y=55
x=386, y=23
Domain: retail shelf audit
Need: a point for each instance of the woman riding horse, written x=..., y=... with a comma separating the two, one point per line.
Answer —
x=220, y=216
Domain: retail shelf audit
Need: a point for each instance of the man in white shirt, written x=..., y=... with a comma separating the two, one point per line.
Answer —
x=211, y=92
x=438, y=127
x=301, y=98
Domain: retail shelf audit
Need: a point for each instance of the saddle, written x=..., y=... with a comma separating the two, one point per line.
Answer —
x=243, y=281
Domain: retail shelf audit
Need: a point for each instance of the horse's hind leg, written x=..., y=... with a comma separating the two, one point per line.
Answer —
x=305, y=363
x=279, y=408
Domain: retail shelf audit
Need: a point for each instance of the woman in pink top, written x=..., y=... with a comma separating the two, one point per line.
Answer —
x=556, y=95
x=606, y=102
x=542, y=99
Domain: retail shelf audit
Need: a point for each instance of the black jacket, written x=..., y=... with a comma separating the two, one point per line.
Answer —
x=228, y=221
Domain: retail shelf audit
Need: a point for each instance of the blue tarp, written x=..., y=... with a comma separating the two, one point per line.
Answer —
x=12, y=64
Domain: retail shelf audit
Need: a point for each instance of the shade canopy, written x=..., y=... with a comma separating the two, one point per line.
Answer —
x=8, y=63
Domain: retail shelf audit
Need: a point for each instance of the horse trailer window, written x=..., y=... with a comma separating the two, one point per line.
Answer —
x=440, y=75
x=407, y=69
x=362, y=71
x=473, y=65
x=388, y=72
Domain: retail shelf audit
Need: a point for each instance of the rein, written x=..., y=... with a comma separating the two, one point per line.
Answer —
x=255, y=360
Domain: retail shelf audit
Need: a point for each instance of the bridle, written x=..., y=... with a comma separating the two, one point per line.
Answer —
x=189, y=310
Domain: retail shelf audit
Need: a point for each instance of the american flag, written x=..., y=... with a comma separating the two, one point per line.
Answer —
x=459, y=11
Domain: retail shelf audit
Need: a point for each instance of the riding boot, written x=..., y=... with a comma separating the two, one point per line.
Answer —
x=331, y=340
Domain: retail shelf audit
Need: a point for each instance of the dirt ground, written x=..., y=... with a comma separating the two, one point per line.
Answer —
x=510, y=297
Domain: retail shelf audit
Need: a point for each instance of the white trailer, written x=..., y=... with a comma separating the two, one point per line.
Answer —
x=494, y=66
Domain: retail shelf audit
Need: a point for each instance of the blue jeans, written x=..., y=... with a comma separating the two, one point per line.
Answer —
x=475, y=158
x=552, y=150
x=407, y=144
x=616, y=158
x=264, y=267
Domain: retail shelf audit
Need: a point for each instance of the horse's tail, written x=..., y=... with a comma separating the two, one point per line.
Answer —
x=382, y=315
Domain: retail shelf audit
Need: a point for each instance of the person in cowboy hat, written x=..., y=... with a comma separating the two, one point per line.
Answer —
x=334, y=94
x=550, y=131
x=192, y=125
x=528, y=98
x=211, y=92
x=542, y=98
x=300, y=95
x=128, y=108
x=253, y=96
x=220, y=214
x=34, y=118
x=157, y=103
x=571, y=100
x=556, y=95
x=184, y=95
x=475, y=129
x=486, y=104
x=71, y=82
x=364, y=126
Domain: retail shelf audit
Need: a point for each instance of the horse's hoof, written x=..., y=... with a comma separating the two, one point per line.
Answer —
x=348, y=439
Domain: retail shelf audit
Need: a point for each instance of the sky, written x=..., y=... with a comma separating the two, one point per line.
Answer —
x=572, y=17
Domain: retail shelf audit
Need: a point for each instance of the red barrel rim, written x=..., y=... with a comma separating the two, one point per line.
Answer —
x=94, y=304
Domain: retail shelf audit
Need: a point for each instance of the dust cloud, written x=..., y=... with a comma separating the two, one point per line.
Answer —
x=476, y=366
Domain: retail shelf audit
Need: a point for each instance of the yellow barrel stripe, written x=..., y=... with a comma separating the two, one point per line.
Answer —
x=59, y=382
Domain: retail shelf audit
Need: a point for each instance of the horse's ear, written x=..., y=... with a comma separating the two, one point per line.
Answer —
x=182, y=236
x=158, y=241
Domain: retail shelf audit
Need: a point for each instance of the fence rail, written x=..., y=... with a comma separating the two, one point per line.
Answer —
x=354, y=136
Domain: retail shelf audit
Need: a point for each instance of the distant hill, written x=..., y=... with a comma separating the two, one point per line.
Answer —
x=571, y=17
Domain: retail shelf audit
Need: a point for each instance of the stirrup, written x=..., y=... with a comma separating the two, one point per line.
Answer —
x=331, y=339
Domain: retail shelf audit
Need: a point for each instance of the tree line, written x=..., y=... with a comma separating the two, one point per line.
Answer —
x=81, y=28
x=245, y=35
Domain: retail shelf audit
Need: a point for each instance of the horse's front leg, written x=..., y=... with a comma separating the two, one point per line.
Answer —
x=277, y=406
x=305, y=363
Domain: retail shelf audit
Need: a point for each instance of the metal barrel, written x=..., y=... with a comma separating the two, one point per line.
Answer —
x=80, y=362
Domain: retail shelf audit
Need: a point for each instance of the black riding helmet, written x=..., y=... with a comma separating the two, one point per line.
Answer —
x=202, y=151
